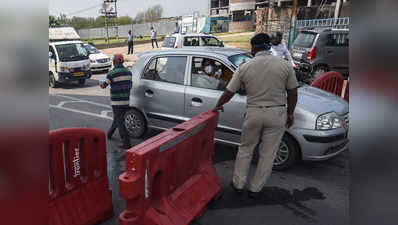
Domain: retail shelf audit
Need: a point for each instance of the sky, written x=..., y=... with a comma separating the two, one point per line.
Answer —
x=127, y=7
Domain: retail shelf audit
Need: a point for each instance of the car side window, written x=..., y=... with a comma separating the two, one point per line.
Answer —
x=191, y=41
x=338, y=40
x=210, y=41
x=209, y=73
x=170, y=69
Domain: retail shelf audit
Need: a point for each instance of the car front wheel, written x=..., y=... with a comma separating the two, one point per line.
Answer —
x=135, y=123
x=287, y=154
x=52, y=82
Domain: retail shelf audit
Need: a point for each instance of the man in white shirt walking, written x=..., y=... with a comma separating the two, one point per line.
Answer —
x=153, y=37
x=279, y=48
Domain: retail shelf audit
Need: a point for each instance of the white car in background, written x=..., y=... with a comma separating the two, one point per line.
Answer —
x=98, y=61
x=189, y=40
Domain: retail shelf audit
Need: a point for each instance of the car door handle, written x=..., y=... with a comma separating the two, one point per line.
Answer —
x=196, y=102
x=148, y=93
x=330, y=51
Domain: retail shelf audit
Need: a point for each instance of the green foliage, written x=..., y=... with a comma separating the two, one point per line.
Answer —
x=150, y=15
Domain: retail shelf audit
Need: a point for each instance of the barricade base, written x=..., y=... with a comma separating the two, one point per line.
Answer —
x=76, y=207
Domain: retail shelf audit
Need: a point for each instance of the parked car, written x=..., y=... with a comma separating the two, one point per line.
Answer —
x=182, y=40
x=98, y=60
x=322, y=50
x=166, y=92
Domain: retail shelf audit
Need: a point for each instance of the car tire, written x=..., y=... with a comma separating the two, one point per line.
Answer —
x=135, y=123
x=82, y=81
x=319, y=70
x=52, y=82
x=287, y=154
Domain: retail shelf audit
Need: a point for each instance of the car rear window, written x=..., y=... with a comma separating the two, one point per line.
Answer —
x=169, y=42
x=305, y=40
x=239, y=59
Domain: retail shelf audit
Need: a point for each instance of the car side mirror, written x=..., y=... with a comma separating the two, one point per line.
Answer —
x=50, y=55
x=242, y=92
x=221, y=44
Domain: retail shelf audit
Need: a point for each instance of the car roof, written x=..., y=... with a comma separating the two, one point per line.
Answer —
x=193, y=34
x=65, y=42
x=323, y=29
x=226, y=52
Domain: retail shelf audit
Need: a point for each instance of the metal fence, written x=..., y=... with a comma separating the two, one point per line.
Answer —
x=162, y=28
x=337, y=23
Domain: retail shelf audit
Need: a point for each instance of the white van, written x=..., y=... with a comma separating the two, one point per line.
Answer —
x=68, y=58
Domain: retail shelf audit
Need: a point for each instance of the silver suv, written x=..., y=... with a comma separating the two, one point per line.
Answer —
x=169, y=87
x=322, y=50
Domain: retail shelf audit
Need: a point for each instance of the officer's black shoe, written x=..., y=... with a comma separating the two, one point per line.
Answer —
x=237, y=190
x=254, y=195
x=124, y=146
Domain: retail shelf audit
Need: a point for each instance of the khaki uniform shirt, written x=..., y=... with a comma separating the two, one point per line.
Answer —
x=266, y=79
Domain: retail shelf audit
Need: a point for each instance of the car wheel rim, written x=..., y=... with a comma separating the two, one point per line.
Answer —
x=282, y=155
x=133, y=123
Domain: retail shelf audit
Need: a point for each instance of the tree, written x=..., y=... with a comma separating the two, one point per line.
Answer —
x=151, y=15
x=124, y=20
x=52, y=22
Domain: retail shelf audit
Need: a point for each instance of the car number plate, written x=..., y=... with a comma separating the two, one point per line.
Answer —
x=78, y=74
x=297, y=55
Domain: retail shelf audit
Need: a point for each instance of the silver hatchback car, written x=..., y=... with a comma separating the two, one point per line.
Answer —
x=170, y=87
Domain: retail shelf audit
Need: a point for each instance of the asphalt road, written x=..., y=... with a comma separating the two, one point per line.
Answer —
x=310, y=193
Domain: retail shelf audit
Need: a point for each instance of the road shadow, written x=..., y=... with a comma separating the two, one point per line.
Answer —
x=74, y=85
x=291, y=200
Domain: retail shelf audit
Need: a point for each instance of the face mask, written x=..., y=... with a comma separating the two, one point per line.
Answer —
x=218, y=73
x=209, y=69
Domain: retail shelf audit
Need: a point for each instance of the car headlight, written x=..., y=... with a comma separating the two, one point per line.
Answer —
x=63, y=69
x=329, y=121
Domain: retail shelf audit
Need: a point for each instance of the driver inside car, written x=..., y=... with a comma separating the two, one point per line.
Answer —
x=210, y=76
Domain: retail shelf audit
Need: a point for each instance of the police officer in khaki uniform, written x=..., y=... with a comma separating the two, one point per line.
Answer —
x=270, y=84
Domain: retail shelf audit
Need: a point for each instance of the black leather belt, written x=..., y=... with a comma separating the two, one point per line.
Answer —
x=270, y=106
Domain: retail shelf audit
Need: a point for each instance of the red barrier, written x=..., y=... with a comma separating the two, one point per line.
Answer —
x=347, y=92
x=331, y=82
x=170, y=178
x=79, y=192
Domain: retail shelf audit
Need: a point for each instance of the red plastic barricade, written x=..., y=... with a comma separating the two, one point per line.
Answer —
x=79, y=192
x=331, y=82
x=170, y=178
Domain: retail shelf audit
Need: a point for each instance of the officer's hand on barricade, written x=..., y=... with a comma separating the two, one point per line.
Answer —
x=290, y=121
x=218, y=108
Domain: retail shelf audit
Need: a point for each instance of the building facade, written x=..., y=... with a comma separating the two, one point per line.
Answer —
x=242, y=13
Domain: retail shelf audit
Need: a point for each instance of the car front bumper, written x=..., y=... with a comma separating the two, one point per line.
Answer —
x=66, y=77
x=100, y=66
x=317, y=145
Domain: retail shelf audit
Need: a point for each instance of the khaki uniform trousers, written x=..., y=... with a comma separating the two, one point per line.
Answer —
x=267, y=125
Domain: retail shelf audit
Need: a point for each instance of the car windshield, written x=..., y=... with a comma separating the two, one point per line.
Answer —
x=91, y=49
x=210, y=41
x=71, y=52
x=237, y=60
x=169, y=42
x=305, y=40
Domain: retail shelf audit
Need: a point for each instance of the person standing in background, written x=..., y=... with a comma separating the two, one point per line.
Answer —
x=176, y=29
x=153, y=37
x=130, y=43
x=279, y=48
